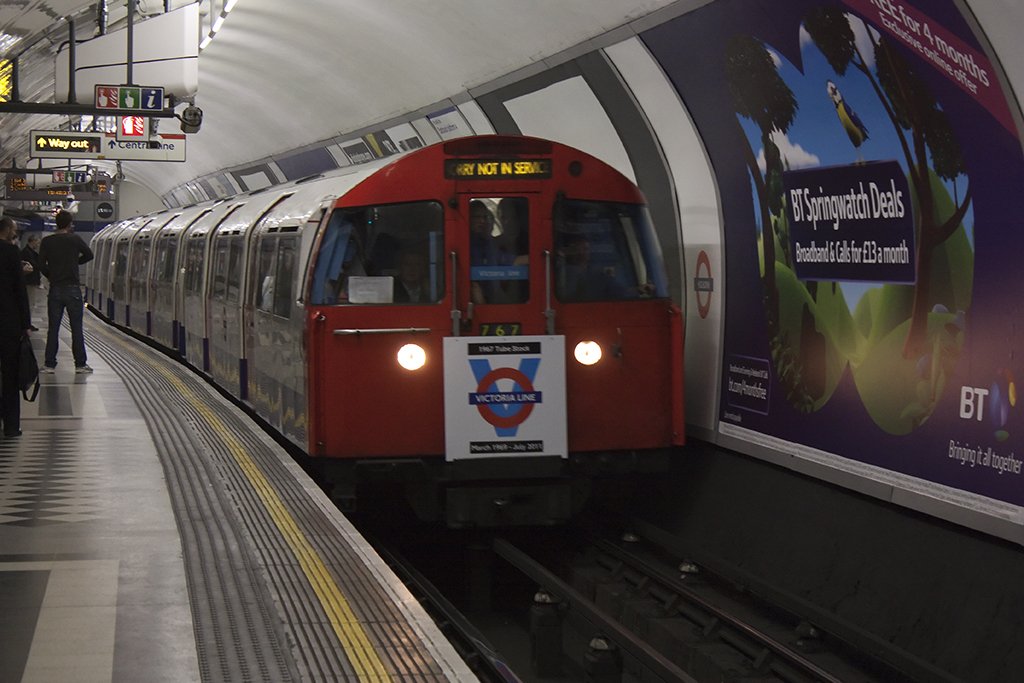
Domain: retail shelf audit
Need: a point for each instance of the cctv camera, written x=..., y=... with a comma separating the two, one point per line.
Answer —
x=191, y=119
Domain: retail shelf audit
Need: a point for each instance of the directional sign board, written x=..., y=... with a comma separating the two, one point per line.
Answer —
x=68, y=145
x=65, y=145
x=160, y=148
x=142, y=98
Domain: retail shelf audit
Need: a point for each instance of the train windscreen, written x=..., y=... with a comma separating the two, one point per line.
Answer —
x=606, y=252
x=388, y=254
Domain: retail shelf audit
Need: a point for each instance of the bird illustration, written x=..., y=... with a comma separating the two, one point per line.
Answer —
x=856, y=129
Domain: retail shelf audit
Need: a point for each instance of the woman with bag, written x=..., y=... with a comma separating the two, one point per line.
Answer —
x=14, y=324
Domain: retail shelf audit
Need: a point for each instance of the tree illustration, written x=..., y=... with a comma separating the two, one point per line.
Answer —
x=760, y=94
x=921, y=127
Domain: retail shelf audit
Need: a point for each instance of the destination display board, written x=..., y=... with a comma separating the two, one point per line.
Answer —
x=497, y=169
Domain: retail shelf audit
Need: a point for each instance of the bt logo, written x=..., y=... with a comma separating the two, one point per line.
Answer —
x=993, y=403
x=972, y=403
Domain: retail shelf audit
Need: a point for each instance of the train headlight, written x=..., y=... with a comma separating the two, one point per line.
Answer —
x=587, y=352
x=412, y=357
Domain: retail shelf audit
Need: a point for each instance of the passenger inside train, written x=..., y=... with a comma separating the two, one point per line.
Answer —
x=499, y=250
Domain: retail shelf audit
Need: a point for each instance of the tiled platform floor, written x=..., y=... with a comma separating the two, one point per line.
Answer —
x=92, y=585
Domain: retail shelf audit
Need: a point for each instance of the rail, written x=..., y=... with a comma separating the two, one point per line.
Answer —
x=647, y=656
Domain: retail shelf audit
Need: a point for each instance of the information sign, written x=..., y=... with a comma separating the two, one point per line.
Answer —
x=69, y=177
x=141, y=98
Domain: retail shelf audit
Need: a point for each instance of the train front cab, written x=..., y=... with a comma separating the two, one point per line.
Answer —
x=499, y=235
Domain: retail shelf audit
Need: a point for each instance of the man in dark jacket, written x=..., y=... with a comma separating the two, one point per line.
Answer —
x=60, y=255
x=14, y=323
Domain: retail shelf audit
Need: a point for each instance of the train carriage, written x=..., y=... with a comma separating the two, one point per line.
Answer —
x=484, y=321
x=163, y=283
x=99, y=271
x=191, y=283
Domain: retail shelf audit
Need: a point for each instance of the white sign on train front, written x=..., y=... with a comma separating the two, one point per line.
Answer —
x=504, y=397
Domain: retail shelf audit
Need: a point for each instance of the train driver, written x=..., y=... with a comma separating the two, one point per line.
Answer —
x=412, y=285
x=580, y=279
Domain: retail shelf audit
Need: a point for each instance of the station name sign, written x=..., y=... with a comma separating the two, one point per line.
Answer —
x=71, y=145
x=497, y=169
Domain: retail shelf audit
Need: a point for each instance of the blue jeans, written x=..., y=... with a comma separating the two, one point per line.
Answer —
x=65, y=297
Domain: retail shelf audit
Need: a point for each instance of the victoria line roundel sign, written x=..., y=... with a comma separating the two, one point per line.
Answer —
x=519, y=416
x=104, y=210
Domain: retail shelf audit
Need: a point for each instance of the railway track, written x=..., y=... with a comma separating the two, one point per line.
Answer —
x=581, y=604
x=647, y=615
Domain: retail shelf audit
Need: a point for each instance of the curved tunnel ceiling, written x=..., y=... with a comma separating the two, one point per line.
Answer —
x=276, y=78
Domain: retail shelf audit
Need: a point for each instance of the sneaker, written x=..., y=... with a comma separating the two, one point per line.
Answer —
x=47, y=370
x=82, y=369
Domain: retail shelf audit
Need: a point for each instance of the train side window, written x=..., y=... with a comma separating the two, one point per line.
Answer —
x=220, y=268
x=194, y=265
x=606, y=252
x=284, y=277
x=120, y=268
x=234, y=276
x=386, y=254
x=166, y=254
x=265, y=274
x=139, y=265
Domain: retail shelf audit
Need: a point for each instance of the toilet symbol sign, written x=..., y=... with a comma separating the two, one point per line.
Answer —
x=504, y=397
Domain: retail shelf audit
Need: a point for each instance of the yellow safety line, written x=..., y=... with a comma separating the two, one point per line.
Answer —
x=347, y=627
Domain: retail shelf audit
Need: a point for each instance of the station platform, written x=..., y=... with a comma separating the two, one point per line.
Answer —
x=150, y=531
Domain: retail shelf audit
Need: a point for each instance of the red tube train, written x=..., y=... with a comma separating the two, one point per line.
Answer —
x=483, y=322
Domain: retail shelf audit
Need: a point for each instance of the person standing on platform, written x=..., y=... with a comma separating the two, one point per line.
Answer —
x=33, y=278
x=60, y=255
x=14, y=323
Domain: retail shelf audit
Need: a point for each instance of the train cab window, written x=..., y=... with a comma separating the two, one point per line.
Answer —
x=284, y=277
x=606, y=252
x=388, y=254
x=499, y=250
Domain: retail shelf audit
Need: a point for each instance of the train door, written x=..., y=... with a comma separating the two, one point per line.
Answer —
x=507, y=361
x=504, y=251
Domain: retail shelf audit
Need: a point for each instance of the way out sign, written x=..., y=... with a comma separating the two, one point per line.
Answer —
x=504, y=397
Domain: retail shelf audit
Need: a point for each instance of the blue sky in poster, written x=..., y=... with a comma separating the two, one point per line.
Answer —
x=816, y=137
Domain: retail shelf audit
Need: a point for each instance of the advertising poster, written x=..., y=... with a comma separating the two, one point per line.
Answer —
x=871, y=178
